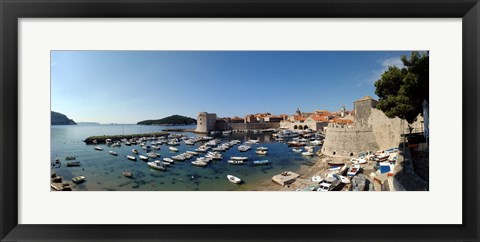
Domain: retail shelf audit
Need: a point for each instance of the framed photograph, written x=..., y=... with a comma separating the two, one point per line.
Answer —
x=233, y=120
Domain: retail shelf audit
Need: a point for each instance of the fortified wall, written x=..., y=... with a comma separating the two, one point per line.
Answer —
x=349, y=141
x=372, y=130
x=207, y=122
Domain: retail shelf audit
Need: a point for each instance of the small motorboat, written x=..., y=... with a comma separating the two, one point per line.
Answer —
x=156, y=165
x=234, y=179
x=297, y=150
x=78, y=179
x=127, y=174
x=261, y=162
x=135, y=151
x=73, y=163
x=113, y=153
x=152, y=155
x=262, y=148
x=178, y=157
x=344, y=179
x=261, y=152
x=131, y=157
x=317, y=179
x=244, y=158
x=98, y=148
x=199, y=163
x=235, y=162
x=307, y=153
x=174, y=149
x=169, y=160
x=353, y=170
x=142, y=157
x=71, y=157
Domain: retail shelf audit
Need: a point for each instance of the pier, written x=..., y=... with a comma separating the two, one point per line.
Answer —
x=114, y=138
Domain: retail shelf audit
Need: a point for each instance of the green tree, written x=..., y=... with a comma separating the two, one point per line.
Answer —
x=401, y=91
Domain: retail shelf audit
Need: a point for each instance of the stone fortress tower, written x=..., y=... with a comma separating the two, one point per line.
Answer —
x=372, y=130
x=206, y=122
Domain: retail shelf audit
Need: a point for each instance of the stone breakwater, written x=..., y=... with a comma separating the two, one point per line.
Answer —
x=102, y=139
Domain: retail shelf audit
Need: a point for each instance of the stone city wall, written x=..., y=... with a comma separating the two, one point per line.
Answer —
x=348, y=142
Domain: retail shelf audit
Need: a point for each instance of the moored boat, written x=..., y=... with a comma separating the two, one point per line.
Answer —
x=261, y=162
x=127, y=174
x=156, y=165
x=234, y=179
x=353, y=170
x=131, y=157
x=307, y=153
x=235, y=162
x=142, y=157
x=73, y=163
x=174, y=149
x=135, y=151
x=78, y=179
x=98, y=148
x=169, y=160
x=113, y=153
x=261, y=152
x=244, y=158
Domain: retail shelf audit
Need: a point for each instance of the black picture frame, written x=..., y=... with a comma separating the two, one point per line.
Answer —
x=11, y=11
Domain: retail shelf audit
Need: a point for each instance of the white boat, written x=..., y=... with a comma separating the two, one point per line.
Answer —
x=261, y=152
x=131, y=157
x=261, y=162
x=234, y=179
x=178, y=157
x=227, y=132
x=316, y=142
x=244, y=158
x=344, y=179
x=192, y=152
x=156, y=165
x=262, y=148
x=244, y=148
x=135, y=151
x=317, y=179
x=309, y=148
x=286, y=134
x=353, y=170
x=98, y=148
x=142, y=157
x=169, y=160
x=199, y=163
x=297, y=150
x=189, y=142
x=307, y=153
x=152, y=155
x=113, y=153
x=253, y=141
x=235, y=162
x=174, y=149
x=214, y=155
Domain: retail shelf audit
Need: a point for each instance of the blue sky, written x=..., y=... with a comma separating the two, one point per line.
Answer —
x=131, y=86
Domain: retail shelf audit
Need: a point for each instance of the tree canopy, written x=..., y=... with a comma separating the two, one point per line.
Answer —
x=401, y=91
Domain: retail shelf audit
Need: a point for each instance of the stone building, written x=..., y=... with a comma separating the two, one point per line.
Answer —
x=206, y=122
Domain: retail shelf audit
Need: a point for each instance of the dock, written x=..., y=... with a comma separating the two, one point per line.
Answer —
x=285, y=178
x=114, y=138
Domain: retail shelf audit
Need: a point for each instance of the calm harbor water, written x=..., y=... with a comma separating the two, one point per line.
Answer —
x=103, y=171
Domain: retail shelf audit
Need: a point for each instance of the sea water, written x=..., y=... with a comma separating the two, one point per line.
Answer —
x=103, y=172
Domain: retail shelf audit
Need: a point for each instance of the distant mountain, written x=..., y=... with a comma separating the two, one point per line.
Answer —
x=61, y=119
x=170, y=120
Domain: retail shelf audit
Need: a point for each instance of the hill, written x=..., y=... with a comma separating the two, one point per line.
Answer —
x=170, y=120
x=60, y=119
